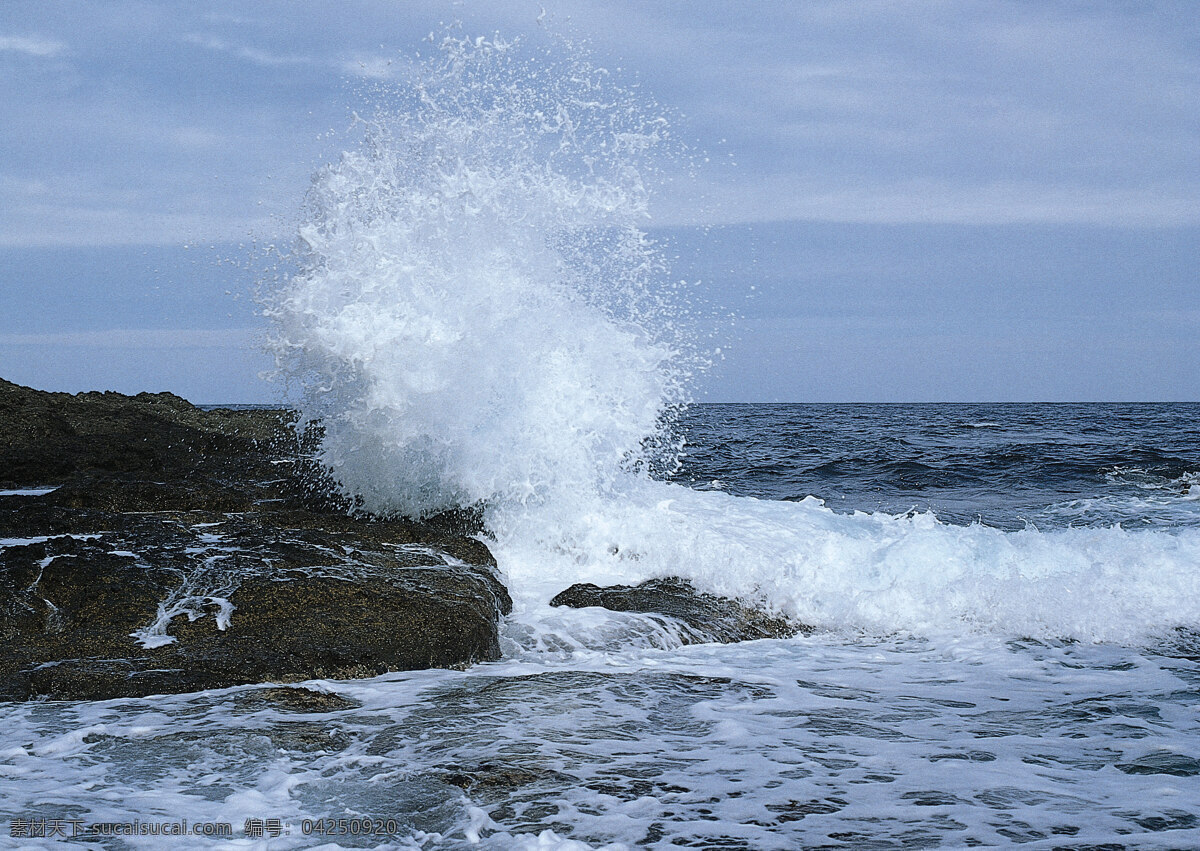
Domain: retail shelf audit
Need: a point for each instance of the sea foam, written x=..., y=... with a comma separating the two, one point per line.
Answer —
x=877, y=572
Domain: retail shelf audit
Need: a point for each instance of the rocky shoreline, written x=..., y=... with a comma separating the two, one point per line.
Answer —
x=181, y=549
x=148, y=546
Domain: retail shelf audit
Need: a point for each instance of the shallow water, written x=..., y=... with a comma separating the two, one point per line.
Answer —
x=830, y=741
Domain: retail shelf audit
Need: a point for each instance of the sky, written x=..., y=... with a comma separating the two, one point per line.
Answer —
x=904, y=201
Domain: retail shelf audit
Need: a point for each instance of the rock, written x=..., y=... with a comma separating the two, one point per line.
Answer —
x=489, y=776
x=708, y=618
x=1162, y=762
x=235, y=743
x=294, y=699
x=81, y=626
x=50, y=437
x=186, y=549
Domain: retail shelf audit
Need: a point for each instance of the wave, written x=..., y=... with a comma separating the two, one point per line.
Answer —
x=1186, y=484
x=479, y=318
x=875, y=572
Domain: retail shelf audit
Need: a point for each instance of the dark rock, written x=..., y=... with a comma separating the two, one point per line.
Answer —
x=187, y=549
x=307, y=737
x=49, y=437
x=285, y=626
x=266, y=742
x=708, y=617
x=488, y=776
x=1163, y=762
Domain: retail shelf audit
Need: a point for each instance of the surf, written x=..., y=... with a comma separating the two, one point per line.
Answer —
x=481, y=318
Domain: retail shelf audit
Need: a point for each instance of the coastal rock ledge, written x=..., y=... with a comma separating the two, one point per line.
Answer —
x=148, y=546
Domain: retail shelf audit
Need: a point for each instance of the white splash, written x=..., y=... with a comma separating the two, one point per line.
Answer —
x=478, y=315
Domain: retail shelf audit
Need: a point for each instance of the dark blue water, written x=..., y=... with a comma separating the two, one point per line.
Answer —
x=1004, y=465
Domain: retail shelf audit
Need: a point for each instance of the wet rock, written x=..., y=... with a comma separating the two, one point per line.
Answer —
x=186, y=549
x=306, y=737
x=794, y=810
x=77, y=596
x=265, y=742
x=488, y=776
x=1162, y=762
x=294, y=699
x=708, y=618
x=76, y=613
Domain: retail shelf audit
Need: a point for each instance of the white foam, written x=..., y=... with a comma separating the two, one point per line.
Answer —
x=41, y=539
x=28, y=491
x=23, y=542
x=778, y=744
x=875, y=572
x=205, y=589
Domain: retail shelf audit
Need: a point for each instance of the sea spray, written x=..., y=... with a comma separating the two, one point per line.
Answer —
x=479, y=315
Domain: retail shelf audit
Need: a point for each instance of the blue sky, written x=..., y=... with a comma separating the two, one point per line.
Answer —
x=932, y=201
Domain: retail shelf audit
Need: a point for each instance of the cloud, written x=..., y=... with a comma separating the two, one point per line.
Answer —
x=952, y=112
x=139, y=338
x=797, y=197
x=32, y=45
x=254, y=55
x=364, y=65
x=195, y=137
x=236, y=20
x=37, y=216
x=837, y=111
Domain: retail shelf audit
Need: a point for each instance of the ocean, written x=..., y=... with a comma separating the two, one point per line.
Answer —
x=1004, y=599
x=1006, y=653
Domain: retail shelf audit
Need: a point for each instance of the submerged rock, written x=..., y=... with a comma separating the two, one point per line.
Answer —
x=184, y=549
x=708, y=618
x=294, y=699
x=496, y=777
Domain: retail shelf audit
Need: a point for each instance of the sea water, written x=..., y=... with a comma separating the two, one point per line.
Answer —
x=1020, y=670
x=1004, y=597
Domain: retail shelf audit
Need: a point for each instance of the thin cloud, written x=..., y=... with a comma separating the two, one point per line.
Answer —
x=139, y=338
x=255, y=55
x=32, y=45
x=49, y=225
x=195, y=137
x=236, y=20
x=370, y=67
x=799, y=198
